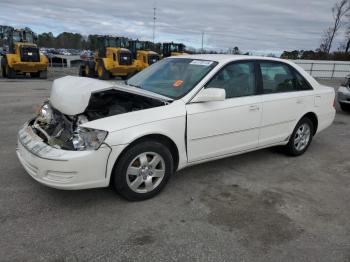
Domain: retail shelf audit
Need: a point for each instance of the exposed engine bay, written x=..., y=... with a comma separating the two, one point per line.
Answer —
x=63, y=131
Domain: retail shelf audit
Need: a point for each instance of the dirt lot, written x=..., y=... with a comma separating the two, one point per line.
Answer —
x=260, y=206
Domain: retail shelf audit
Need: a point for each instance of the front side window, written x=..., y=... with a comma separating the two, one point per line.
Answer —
x=172, y=77
x=277, y=78
x=238, y=79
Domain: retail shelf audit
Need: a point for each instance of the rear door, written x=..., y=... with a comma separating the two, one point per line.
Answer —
x=285, y=97
x=221, y=128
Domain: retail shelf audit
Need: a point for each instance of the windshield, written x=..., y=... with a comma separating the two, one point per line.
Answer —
x=172, y=77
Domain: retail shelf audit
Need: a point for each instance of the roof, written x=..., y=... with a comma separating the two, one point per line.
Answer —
x=228, y=57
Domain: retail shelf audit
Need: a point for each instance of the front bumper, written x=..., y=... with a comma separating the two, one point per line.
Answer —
x=344, y=95
x=62, y=169
x=30, y=67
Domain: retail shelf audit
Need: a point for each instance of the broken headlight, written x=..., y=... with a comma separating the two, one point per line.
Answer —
x=88, y=138
x=46, y=113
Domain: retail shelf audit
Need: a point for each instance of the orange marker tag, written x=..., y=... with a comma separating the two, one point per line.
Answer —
x=177, y=83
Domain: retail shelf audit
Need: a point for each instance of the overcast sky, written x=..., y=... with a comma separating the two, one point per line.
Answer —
x=252, y=25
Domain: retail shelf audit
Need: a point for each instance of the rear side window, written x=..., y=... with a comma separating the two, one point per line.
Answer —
x=277, y=78
x=300, y=82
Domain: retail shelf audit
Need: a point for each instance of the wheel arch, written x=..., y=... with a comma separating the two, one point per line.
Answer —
x=165, y=140
x=314, y=119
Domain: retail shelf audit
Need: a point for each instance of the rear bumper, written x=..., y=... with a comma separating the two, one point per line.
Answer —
x=62, y=169
x=344, y=95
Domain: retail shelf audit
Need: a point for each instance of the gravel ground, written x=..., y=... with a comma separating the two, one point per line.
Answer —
x=260, y=206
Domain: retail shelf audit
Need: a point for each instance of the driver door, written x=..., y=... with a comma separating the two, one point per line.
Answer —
x=219, y=128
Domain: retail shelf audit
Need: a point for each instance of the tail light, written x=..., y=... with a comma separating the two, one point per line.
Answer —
x=334, y=103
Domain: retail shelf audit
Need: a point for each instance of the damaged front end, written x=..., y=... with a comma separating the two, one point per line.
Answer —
x=65, y=132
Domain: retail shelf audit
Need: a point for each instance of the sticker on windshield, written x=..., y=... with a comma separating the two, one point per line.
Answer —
x=201, y=62
x=177, y=83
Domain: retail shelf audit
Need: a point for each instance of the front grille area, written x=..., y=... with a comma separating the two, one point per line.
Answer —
x=125, y=58
x=30, y=54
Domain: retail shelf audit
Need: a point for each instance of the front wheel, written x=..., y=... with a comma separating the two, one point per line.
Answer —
x=301, y=137
x=3, y=67
x=102, y=72
x=10, y=73
x=143, y=170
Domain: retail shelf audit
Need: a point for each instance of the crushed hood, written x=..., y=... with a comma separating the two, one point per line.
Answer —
x=71, y=94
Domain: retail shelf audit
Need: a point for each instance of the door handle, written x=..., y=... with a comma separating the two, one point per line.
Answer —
x=254, y=108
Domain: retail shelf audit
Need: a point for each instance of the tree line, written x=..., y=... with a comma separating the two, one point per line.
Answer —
x=341, y=19
x=67, y=40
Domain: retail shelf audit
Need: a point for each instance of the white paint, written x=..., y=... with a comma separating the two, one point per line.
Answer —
x=213, y=129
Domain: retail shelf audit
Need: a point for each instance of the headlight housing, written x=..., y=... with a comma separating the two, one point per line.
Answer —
x=88, y=138
x=46, y=113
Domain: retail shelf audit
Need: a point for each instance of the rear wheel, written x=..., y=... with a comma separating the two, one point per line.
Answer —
x=143, y=170
x=345, y=107
x=301, y=137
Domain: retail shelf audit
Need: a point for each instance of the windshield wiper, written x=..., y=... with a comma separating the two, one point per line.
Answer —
x=132, y=85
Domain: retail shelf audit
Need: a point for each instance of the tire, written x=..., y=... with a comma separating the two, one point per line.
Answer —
x=10, y=73
x=345, y=107
x=148, y=180
x=82, y=71
x=3, y=67
x=90, y=69
x=43, y=74
x=303, y=132
x=102, y=73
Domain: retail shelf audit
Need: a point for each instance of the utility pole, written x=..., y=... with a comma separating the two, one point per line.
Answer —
x=202, y=41
x=154, y=22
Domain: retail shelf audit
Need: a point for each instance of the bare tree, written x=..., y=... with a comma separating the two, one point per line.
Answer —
x=339, y=10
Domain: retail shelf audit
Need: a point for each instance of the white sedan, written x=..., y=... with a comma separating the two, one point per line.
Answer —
x=179, y=112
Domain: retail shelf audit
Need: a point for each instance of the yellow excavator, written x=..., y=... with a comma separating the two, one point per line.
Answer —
x=111, y=59
x=21, y=55
x=173, y=49
x=143, y=53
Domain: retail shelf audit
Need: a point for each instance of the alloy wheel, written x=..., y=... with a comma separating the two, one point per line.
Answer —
x=145, y=172
x=302, y=137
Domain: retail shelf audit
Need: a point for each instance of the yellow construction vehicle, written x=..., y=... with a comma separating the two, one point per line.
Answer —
x=21, y=55
x=173, y=49
x=143, y=53
x=112, y=58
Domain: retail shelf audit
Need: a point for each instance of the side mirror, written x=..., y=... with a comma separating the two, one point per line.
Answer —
x=210, y=94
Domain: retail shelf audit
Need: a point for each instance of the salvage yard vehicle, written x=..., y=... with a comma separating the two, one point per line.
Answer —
x=178, y=112
x=344, y=94
x=173, y=49
x=111, y=59
x=143, y=53
x=22, y=56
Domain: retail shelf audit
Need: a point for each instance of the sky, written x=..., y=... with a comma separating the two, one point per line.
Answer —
x=253, y=25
